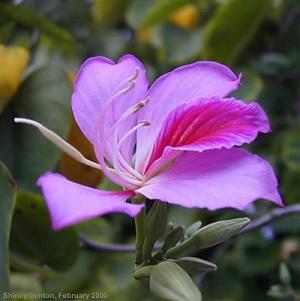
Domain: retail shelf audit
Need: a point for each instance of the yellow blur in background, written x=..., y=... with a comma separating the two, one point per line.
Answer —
x=13, y=61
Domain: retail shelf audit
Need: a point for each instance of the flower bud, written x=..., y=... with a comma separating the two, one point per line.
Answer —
x=193, y=228
x=155, y=226
x=194, y=266
x=208, y=236
x=172, y=238
x=170, y=282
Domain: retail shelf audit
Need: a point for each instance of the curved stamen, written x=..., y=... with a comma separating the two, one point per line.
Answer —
x=117, y=153
x=58, y=141
x=135, y=108
x=100, y=130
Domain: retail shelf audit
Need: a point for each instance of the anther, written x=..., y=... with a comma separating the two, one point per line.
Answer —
x=145, y=122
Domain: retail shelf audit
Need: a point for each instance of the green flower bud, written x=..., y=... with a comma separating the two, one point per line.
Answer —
x=155, y=226
x=170, y=282
x=284, y=275
x=208, y=236
x=194, y=266
x=193, y=228
x=173, y=238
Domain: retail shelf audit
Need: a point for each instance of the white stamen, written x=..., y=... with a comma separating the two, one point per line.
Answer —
x=135, y=108
x=103, y=113
x=117, y=154
x=58, y=141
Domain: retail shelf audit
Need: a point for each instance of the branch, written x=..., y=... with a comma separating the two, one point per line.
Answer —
x=254, y=225
x=270, y=217
x=103, y=247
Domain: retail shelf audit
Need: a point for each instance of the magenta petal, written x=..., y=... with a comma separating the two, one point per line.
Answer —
x=215, y=179
x=70, y=203
x=186, y=83
x=210, y=124
x=97, y=81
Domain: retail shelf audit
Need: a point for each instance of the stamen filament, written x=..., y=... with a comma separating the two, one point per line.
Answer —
x=117, y=153
x=58, y=141
x=135, y=108
x=100, y=131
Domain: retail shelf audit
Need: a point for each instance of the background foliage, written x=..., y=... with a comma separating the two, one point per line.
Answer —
x=42, y=46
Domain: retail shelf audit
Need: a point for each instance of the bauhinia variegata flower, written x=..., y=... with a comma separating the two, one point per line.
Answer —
x=177, y=141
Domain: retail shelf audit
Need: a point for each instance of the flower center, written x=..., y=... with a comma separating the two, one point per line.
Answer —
x=121, y=167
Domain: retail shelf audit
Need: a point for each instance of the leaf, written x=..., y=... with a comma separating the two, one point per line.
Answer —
x=96, y=230
x=33, y=240
x=25, y=284
x=34, y=20
x=13, y=61
x=170, y=282
x=231, y=28
x=137, y=11
x=145, y=14
x=179, y=53
x=109, y=12
x=7, y=202
x=44, y=97
x=160, y=11
x=291, y=150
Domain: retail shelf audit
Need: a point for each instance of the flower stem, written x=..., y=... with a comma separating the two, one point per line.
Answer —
x=139, y=228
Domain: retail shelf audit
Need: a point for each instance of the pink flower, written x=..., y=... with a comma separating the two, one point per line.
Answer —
x=176, y=141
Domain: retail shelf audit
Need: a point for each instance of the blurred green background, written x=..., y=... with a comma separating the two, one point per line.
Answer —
x=43, y=43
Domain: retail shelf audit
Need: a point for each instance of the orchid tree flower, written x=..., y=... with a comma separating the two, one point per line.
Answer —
x=177, y=141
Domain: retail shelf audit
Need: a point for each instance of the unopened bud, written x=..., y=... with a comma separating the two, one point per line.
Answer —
x=172, y=238
x=208, y=236
x=155, y=226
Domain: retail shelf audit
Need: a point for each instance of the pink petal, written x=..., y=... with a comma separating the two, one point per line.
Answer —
x=98, y=79
x=70, y=203
x=209, y=124
x=186, y=83
x=215, y=179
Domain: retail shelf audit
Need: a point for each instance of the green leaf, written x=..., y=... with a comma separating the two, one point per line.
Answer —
x=291, y=150
x=45, y=97
x=109, y=12
x=160, y=11
x=7, y=201
x=170, y=282
x=179, y=53
x=97, y=230
x=29, y=18
x=22, y=283
x=137, y=11
x=147, y=13
x=33, y=240
x=231, y=28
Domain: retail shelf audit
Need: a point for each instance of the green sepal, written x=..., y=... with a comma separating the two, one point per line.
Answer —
x=155, y=227
x=194, y=266
x=172, y=238
x=170, y=282
x=208, y=236
x=190, y=230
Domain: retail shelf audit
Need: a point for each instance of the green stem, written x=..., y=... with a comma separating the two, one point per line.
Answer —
x=139, y=228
